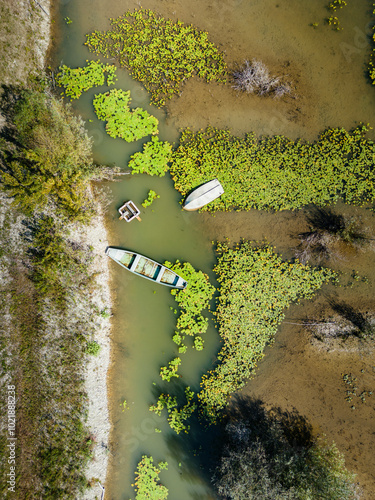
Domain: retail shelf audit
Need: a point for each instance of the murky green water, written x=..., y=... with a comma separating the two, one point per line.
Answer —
x=326, y=68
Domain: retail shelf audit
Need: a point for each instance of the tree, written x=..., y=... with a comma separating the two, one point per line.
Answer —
x=46, y=157
x=273, y=455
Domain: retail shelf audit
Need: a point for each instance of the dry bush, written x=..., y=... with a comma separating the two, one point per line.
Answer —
x=254, y=77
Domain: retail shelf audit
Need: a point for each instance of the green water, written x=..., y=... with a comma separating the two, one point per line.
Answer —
x=327, y=69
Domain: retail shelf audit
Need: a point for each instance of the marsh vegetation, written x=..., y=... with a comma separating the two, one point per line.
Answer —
x=271, y=454
x=159, y=52
x=276, y=173
x=46, y=169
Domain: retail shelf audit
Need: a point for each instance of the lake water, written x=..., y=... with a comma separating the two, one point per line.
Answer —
x=327, y=72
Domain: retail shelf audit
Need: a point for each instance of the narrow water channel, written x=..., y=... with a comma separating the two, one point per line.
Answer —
x=327, y=69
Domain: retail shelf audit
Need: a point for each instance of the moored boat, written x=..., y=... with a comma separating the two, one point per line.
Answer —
x=146, y=268
x=203, y=195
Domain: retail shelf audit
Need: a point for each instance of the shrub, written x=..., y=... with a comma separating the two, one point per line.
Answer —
x=92, y=348
x=273, y=455
x=329, y=235
x=255, y=77
x=47, y=157
x=58, y=265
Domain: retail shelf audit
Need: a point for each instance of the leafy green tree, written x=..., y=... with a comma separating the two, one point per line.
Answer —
x=272, y=455
x=46, y=157
x=28, y=189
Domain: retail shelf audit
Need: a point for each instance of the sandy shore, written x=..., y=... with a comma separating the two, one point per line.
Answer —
x=97, y=366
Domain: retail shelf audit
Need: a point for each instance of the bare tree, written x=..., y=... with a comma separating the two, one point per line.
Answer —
x=254, y=77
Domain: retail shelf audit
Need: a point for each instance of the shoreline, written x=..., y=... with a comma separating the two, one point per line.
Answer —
x=95, y=368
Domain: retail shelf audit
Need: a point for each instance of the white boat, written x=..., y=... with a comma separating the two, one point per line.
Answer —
x=202, y=195
x=146, y=268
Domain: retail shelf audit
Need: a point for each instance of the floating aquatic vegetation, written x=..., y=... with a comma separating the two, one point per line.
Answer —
x=151, y=196
x=337, y=4
x=167, y=372
x=78, y=80
x=193, y=301
x=177, y=414
x=130, y=125
x=146, y=483
x=256, y=286
x=275, y=172
x=153, y=160
x=159, y=52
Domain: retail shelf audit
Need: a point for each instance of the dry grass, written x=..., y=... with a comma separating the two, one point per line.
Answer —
x=24, y=39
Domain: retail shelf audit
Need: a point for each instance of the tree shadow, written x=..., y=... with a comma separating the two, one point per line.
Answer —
x=259, y=422
x=324, y=219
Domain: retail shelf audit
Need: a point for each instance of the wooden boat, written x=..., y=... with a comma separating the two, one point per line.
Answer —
x=202, y=195
x=129, y=211
x=145, y=267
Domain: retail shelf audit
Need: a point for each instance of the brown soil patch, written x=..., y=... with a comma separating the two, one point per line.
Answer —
x=294, y=375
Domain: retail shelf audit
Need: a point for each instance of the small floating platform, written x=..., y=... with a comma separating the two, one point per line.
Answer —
x=203, y=195
x=129, y=211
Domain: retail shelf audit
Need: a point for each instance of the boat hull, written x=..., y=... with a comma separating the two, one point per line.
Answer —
x=203, y=195
x=146, y=268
